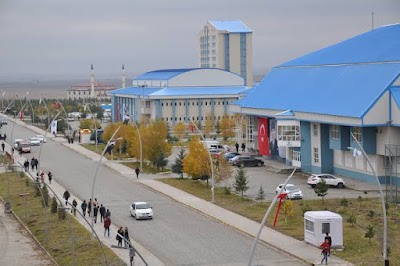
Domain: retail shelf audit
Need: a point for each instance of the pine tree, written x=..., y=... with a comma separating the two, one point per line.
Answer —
x=45, y=201
x=321, y=189
x=260, y=194
x=161, y=161
x=370, y=233
x=241, y=182
x=177, y=167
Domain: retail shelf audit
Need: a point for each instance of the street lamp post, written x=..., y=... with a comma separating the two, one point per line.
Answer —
x=44, y=137
x=385, y=256
x=253, y=249
x=99, y=163
x=33, y=112
x=211, y=161
x=94, y=121
x=140, y=144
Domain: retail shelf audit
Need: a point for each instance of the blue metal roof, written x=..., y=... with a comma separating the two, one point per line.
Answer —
x=232, y=26
x=146, y=91
x=180, y=91
x=343, y=90
x=163, y=74
x=378, y=45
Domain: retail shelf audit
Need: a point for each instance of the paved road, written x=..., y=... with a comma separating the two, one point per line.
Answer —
x=178, y=235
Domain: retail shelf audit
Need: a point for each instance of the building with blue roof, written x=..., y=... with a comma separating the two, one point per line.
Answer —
x=227, y=44
x=174, y=95
x=309, y=106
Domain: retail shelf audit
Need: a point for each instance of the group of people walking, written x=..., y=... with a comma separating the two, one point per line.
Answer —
x=93, y=209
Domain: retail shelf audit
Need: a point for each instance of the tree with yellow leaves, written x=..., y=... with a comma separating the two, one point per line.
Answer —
x=154, y=141
x=124, y=133
x=227, y=127
x=197, y=161
x=208, y=126
x=89, y=124
x=180, y=130
x=288, y=209
x=223, y=170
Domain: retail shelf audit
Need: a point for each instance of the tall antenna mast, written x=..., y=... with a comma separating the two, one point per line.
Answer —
x=372, y=22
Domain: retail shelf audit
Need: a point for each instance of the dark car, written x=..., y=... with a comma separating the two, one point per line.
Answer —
x=246, y=160
x=230, y=155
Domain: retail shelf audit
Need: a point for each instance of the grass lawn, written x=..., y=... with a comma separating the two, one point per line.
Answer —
x=57, y=235
x=101, y=147
x=357, y=250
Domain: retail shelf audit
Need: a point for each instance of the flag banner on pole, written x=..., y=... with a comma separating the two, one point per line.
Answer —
x=356, y=153
x=53, y=129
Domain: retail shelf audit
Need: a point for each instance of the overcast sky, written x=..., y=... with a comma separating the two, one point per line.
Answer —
x=47, y=38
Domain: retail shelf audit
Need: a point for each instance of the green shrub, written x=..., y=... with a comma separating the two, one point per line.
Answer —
x=54, y=205
x=371, y=214
x=344, y=202
x=227, y=190
x=352, y=219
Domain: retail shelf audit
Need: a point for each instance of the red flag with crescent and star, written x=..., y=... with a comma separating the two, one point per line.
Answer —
x=263, y=140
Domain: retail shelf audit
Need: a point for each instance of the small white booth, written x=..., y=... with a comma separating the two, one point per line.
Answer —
x=84, y=136
x=318, y=223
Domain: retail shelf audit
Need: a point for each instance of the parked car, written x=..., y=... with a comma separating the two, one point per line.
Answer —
x=141, y=210
x=3, y=122
x=41, y=138
x=246, y=160
x=292, y=191
x=230, y=155
x=24, y=147
x=330, y=180
x=35, y=141
x=17, y=142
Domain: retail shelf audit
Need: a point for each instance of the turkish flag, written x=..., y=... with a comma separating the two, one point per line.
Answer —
x=263, y=141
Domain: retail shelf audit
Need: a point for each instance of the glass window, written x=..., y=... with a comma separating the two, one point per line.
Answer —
x=316, y=155
x=288, y=133
x=326, y=228
x=335, y=131
x=309, y=225
x=357, y=133
x=315, y=129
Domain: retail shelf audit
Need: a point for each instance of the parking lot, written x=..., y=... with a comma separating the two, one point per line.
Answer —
x=270, y=180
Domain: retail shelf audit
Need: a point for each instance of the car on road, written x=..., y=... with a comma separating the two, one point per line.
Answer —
x=35, y=141
x=330, y=180
x=141, y=210
x=230, y=155
x=246, y=160
x=23, y=146
x=292, y=191
x=3, y=122
x=41, y=138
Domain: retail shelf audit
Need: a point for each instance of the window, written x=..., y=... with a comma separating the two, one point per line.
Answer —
x=335, y=131
x=316, y=155
x=166, y=104
x=357, y=133
x=326, y=228
x=288, y=133
x=180, y=104
x=162, y=104
x=315, y=129
x=309, y=225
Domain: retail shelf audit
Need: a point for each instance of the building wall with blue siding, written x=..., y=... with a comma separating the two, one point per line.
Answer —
x=305, y=149
x=326, y=152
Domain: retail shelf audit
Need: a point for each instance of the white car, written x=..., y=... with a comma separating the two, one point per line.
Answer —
x=41, y=137
x=292, y=191
x=330, y=180
x=35, y=141
x=141, y=210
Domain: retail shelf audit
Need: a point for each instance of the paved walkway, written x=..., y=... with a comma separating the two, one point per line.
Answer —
x=296, y=248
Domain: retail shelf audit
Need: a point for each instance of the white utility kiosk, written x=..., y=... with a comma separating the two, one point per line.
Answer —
x=318, y=223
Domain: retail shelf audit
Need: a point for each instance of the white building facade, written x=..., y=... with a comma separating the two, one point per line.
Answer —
x=227, y=45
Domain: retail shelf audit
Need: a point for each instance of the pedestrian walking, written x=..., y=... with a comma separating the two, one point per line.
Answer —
x=89, y=207
x=102, y=212
x=66, y=196
x=329, y=238
x=325, y=249
x=95, y=211
x=74, y=203
x=33, y=163
x=107, y=223
x=120, y=233
x=237, y=147
x=132, y=254
x=95, y=202
x=126, y=237
x=84, y=207
x=50, y=176
x=243, y=147
x=108, y=214
x=26, y=165
x=3, y=146
x=137, y=171
x=42, y=177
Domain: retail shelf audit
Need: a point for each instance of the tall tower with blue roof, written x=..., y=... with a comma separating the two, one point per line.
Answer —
x=227, y=44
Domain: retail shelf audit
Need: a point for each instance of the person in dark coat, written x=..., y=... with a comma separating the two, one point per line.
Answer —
x=126, y=235
x=137, y=171
x=329, y=238
x=50, y=176
x=120, y=233
x=237, y=147
x=66, y=196
x=102, y=212
x=33, y=163
x=243, y=147
x=26, y=165
x=107, y=223
x=3, y=146
x=84, y=207
x=108, y=214
x=95, y=211
x=74, y=203
x=132, y=255
x=89, y=207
